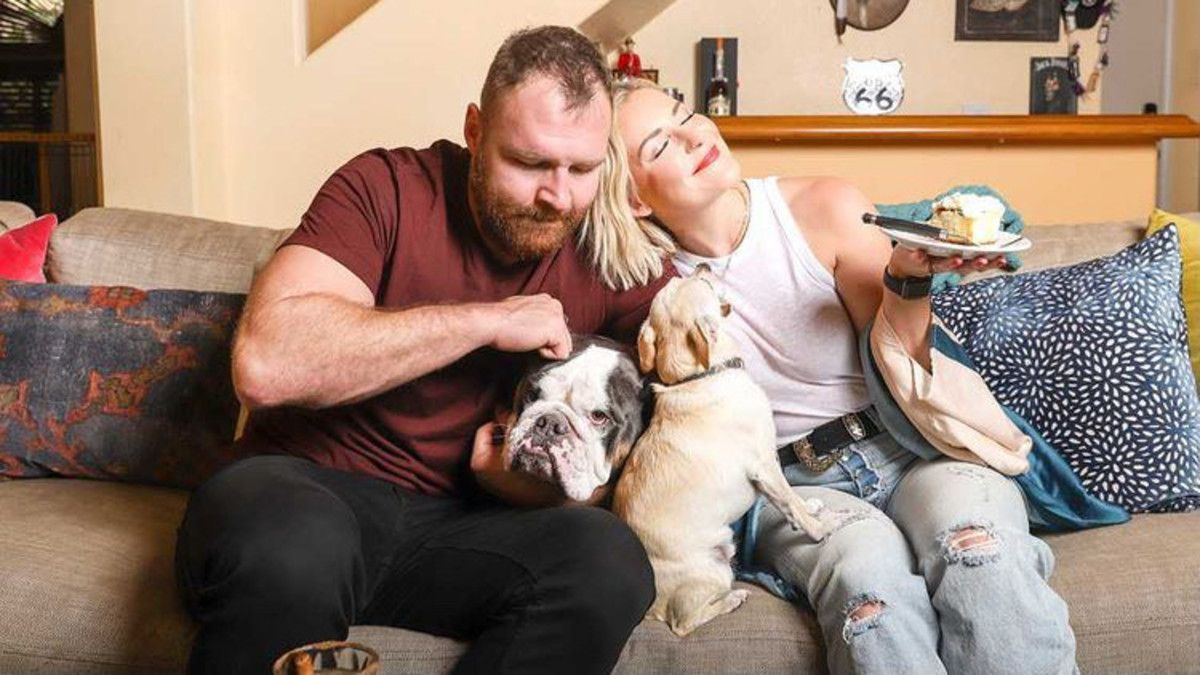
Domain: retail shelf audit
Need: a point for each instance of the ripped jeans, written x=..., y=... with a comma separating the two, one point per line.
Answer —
x=929, y=567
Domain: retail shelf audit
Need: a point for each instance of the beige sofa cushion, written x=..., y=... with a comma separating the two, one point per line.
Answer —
x=14, y=215
x=1057, y=245
x=767, y=635
x=103, y=246
x=1134, y=594
x=87, y=586
x=155, y=250
x=87, y=580
x=1067, y=244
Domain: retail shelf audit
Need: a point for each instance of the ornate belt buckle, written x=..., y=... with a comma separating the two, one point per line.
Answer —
x=854, y=426
x=808, y=458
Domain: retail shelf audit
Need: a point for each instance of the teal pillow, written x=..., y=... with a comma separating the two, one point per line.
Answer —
x=923, y=210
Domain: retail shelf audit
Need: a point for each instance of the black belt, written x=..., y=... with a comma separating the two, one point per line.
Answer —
x=819, y=450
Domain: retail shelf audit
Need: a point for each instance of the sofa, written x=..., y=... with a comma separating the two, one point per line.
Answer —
x=87, y=582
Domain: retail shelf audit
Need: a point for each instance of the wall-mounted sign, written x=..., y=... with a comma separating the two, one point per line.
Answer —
x=1050, y=90
x=873, y=87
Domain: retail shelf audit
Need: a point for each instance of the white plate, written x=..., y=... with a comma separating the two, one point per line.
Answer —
x=1007, y=242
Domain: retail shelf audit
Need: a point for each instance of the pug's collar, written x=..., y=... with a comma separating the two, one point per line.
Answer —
x=735, y=362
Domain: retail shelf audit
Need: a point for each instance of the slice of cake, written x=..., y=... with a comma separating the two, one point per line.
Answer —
x=976, y=217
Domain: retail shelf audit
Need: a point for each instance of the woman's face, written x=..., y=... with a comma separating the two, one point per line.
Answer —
x=678, y=159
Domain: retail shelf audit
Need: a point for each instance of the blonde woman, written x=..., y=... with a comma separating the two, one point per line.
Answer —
x=931, y=566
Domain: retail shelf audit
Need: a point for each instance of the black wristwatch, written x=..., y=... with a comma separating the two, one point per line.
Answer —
x=909, y=288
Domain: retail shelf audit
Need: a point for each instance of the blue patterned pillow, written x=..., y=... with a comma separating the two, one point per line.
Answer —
x=1095, y=357
x=116, y=383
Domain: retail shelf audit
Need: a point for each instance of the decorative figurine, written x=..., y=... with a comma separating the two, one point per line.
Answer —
x=629, y=64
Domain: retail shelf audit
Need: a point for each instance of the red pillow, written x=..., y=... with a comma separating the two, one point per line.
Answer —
x=23, y=250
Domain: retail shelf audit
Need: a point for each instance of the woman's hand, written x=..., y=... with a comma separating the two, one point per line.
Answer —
x=911, y=262
x=911, y=318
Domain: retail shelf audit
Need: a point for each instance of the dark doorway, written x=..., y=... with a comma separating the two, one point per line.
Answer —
x=44, y=162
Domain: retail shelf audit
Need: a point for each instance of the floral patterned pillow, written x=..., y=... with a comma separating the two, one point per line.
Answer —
x=1095, y=357
x=115, y=383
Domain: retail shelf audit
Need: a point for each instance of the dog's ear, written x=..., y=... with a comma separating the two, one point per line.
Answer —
x=701, y=339
x=646, y=346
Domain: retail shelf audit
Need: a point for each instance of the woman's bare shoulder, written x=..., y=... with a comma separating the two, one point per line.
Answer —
x=820, y=198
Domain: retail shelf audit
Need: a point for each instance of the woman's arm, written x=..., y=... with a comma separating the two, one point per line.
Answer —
x=859, y=253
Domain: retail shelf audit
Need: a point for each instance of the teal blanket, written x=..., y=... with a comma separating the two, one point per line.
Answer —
x=923, y=210
x=1055, y=497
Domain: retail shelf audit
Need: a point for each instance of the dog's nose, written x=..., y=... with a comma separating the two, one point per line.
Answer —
x=551, y=426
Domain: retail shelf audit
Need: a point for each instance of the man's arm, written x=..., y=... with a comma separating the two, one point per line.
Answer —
x=311, y=335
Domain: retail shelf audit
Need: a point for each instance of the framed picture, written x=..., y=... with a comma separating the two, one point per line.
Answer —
x=1050, y=90
x=1008, y=20
x=647, y=74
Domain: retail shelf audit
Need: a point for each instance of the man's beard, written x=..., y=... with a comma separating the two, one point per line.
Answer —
x=518, y=233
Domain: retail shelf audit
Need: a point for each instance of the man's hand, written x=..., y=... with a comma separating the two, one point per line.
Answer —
x=514, y=487
x=532, y=322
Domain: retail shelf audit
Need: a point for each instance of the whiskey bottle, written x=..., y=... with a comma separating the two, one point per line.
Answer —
x=716, y=94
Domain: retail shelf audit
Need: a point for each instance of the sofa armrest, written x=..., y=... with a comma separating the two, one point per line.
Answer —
x=14, y=215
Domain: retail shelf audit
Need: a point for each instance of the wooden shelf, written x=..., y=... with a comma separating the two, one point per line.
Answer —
x=44, y=137
x=958, y=129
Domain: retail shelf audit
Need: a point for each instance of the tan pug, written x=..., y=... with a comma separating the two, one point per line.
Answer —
x=709, y=447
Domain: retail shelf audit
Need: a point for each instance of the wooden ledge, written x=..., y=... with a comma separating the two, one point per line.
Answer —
x=958, y=129
x=44, y=137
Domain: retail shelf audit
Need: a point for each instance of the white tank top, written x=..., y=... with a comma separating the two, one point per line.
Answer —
x=794, y=334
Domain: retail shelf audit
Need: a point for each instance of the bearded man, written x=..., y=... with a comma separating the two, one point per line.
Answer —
x=372, y=353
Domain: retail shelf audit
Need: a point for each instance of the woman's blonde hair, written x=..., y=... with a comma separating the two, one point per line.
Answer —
x=626, y=250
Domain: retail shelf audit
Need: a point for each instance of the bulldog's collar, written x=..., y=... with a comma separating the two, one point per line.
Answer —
x=735, y=362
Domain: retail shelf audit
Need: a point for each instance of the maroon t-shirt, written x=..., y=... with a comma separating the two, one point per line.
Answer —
x=399, y=220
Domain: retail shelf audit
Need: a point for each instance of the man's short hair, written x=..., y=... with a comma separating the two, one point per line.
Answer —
x=560, y=53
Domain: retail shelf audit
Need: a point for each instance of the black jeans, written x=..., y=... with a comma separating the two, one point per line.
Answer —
x=275, y=552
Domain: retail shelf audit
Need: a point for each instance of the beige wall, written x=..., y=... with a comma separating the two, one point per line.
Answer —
x=214, y=108
x=1182, y=189
x=790, y=61
x=143, y=77
x=208, y=73
x=230, y=118
x=1079, y=183
x=1137, y=50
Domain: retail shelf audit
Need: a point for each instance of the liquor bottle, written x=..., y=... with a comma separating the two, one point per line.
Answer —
x=716, y=94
